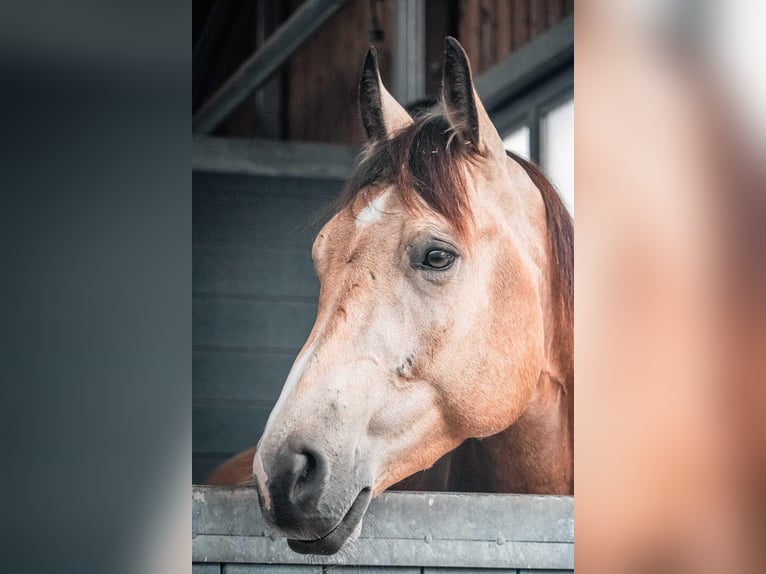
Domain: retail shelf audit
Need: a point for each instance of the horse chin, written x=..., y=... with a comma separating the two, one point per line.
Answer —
x=345, y=531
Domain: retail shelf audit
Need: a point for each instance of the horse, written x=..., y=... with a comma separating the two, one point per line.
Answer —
x=442, y=353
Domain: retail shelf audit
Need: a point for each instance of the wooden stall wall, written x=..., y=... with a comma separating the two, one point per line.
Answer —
x=225, y=33
x=322, y=78
x=491, y=29
x=314, y=96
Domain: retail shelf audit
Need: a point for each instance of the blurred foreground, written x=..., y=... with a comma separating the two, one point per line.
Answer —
x=670, y=436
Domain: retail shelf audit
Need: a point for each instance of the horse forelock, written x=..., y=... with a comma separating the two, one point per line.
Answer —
x=424, y=163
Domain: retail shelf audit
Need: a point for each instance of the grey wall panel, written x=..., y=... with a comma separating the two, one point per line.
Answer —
x=443, y=530
x=271, y=569
x=257, y=211
x=237, y=184
x=251, y=324
x=254, y=300
x=200, y=568
x=239, y=376
x=373, y=570
x=228, y=428
x=203, y=465
x=470, y=571
x=254, y=271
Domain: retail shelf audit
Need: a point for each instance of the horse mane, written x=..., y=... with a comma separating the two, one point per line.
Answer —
x=561, y=245
x=424, y=161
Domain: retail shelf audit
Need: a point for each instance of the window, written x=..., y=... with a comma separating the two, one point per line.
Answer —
x=557, y=149
x=546, y=136
x=518, y=142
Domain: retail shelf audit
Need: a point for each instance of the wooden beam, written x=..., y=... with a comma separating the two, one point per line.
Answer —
x=528, y=65
x=272, y=158
x=298, y=28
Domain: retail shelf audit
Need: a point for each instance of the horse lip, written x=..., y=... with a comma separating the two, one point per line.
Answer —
x=334, y=540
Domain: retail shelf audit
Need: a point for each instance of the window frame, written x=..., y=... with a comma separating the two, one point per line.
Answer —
x=528, y=109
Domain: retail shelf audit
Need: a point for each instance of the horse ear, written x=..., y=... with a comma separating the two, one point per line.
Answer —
x=381, y=113
x=465, y=111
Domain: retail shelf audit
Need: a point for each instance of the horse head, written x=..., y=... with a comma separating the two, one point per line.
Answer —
x=432, y=317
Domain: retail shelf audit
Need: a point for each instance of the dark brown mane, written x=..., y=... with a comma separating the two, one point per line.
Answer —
x=423, y=160
x=561, y=237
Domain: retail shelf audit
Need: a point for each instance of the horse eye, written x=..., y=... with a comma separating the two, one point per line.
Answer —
x=439, y=259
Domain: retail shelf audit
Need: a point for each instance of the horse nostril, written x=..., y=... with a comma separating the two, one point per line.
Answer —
x=309, y=474
x=309, y=467
x=312, y=470
x=298, y=477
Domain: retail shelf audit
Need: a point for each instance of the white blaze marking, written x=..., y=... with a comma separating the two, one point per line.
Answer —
x=372, y=212
x=262, y=478
x=292, y=379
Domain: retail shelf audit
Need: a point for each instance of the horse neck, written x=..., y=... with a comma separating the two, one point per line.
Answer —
x=532, y=456
x=538, y=449
x=535, y=454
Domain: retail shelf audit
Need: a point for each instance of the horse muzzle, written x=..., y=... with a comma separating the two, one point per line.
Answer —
x=305, y=501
